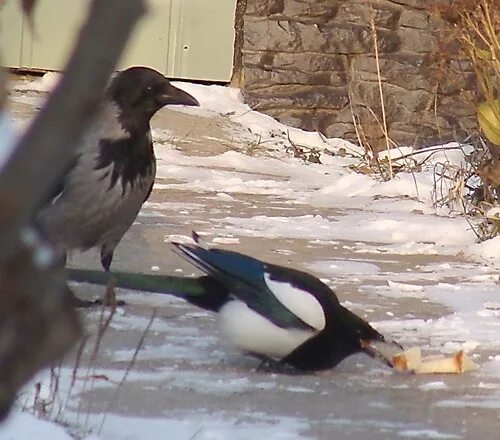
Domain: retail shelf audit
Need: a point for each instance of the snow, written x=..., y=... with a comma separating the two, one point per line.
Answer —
x=425, y=434
x=401, y=209
x=433, y=386
x=387, y=239
x=45, y=83
x=23, y=425
x=447, y=237
x=339, y=267
x=212, y=428
x=487, y=250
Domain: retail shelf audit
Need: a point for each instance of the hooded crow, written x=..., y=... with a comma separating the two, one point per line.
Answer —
x=114, y=167
x=277, y=313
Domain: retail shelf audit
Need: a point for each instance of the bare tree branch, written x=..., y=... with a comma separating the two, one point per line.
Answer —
x=38, y=322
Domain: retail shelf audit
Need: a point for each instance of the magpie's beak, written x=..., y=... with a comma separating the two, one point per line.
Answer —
x=173, y=96
x=368, y=347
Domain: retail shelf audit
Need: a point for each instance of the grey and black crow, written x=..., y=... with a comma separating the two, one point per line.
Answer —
x=114, y=166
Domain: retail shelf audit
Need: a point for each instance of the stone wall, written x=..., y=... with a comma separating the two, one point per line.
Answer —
x=311, y=64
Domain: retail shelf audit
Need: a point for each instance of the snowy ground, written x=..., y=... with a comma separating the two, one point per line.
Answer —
x=414, y=272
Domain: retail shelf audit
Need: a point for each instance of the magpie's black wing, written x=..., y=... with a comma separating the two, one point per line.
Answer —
x=243, y=276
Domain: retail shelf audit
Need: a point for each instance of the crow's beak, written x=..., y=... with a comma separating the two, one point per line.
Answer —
x=367, y=346
x=174, y=96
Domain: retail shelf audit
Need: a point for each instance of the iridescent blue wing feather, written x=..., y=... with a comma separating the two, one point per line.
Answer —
x=243, y=276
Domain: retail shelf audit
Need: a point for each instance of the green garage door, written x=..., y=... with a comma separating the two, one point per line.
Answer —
x=190, y=39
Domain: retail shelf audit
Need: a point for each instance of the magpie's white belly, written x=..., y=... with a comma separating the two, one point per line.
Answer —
x=245, y=329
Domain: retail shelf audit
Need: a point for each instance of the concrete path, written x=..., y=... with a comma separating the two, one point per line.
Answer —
x=183, y=373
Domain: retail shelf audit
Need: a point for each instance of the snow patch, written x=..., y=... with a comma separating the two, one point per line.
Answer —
x=44, y=84
x=23, y=426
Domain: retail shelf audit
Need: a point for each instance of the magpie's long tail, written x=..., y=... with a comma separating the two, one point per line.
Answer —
x=204, y=292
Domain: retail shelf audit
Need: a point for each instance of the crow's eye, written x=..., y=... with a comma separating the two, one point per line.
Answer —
x=150, y=90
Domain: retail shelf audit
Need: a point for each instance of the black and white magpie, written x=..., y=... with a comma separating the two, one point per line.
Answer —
x=278, y=313
x=114, y=167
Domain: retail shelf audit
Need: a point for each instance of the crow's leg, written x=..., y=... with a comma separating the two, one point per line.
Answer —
x=110, y=295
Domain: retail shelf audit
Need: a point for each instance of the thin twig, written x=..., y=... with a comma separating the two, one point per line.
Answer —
x=379, y=80
x=127, y=371
x=76, y=366
x=350, y=70
x=103, y=327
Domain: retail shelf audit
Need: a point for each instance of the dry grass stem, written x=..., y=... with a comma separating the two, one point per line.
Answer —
x=381, y=92
x=127, y=371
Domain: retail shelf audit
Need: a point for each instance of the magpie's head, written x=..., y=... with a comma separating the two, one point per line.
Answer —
x=140, y=92
x=376, y=345
x=362, y=337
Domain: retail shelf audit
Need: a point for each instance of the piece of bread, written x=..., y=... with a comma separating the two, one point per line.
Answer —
x=412, y=360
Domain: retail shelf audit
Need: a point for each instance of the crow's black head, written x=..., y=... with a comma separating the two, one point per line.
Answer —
x=140, y=92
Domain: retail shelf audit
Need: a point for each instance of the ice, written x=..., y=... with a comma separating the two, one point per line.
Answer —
x=415, y=271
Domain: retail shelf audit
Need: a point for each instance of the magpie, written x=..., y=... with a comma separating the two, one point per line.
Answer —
x=285, y=316
x=114, y=167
